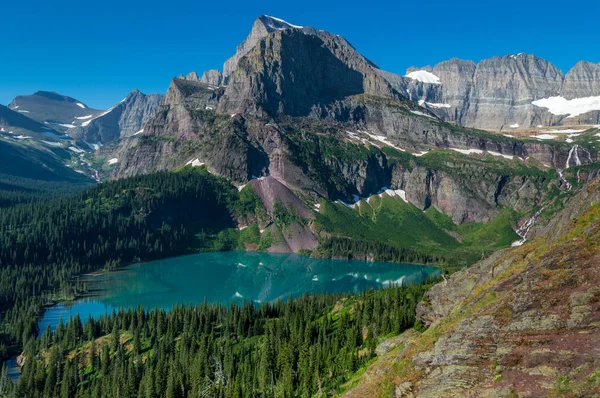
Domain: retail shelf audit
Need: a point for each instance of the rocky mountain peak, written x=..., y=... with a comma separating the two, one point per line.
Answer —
x=125, y=119
x=293, y=72
x=262, y=26
x=583, y=80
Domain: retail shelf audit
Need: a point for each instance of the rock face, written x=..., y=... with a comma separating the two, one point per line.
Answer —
x=583, y=80
x=123, y=120
x=523, y=322
x=213, y=77
x=293, y=87
x=501, y=93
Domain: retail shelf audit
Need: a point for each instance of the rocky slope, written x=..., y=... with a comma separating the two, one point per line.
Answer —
x=31, y=152
x=523, y=322
x=122, y=120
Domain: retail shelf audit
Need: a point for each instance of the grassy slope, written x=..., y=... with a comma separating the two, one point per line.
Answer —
x=395, y=222
x=486, y=298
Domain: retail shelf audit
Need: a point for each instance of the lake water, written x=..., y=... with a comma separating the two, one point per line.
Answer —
x=229, y=276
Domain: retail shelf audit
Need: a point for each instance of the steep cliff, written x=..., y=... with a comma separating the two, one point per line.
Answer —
x=509, y=93
x=122, y=120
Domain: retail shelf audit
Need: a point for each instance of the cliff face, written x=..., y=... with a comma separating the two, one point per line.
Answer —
x=521, y=323
x=123, y=120
x=511, y=92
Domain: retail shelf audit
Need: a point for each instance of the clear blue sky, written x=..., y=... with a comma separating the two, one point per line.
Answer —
x=99, y=51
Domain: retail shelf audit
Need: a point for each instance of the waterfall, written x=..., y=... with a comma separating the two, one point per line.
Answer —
x=563, y=179
x=524, y=229
x=573, y=154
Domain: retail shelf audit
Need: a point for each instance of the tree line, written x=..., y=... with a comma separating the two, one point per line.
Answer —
x=294, y=348
x=45, y=244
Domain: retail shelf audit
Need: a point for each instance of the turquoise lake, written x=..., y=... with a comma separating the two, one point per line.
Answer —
x=228, y=276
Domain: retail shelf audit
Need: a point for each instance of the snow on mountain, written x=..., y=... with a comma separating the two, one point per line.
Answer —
x=282, y=22
x=574, y=107
x=424, y=76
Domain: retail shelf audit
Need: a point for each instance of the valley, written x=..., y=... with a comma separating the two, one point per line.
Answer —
x=304, y=223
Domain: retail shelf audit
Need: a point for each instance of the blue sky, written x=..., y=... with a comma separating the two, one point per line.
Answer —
x=99, y=51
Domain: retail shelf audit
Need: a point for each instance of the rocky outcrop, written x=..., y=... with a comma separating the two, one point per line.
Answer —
x=523, y=322
x=583, y=80
x=469, y=192
x=213, y=77
x=123, y=120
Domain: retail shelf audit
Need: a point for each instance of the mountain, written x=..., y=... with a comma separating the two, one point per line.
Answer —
x=512, y=92
x=122, y=120
x=34, y=151
x=54, y=110
x=305, y=109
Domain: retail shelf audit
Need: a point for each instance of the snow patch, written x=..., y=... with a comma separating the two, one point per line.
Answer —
x=76, y=150
x=544, y=137
x=79, y=104
x=500, y=154
x=22, y=111
x=437, y=105
x=564, y=131
x=51, y=143
x=283, y=22
x=195, y=163
x=574, y=107
x=84, y=117
x=113, y=161
x=93, y=147
x=138, y=132
x=468, y=151
x=422, y=114
x=383, y=139
x=433, y=104
x=69, y=126
x=514, y=126
x=424, y=76
x=397, y=192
